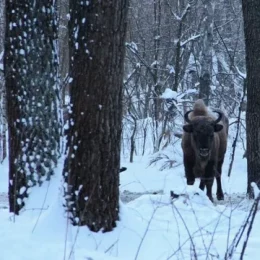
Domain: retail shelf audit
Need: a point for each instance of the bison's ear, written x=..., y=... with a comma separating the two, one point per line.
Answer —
x=218, y=127
x=188, y=128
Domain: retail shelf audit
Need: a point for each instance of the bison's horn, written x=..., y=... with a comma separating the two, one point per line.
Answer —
x=186, y=116
x=219, y=116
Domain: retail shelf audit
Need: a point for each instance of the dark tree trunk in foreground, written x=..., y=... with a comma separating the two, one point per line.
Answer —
x=97, y=44
x=251, y=12
x=3, y=123
x=31, y=90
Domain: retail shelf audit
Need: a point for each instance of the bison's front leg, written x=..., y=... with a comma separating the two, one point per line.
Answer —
x=188, y=166
x=220, y=194
x=202, y=184
x=209, y=178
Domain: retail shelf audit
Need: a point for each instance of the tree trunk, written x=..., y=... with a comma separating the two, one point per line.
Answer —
x=63, y=9
x=97, y=46
x=207, y=49
x=31, y=92
x=3, y=124
x=251, y=10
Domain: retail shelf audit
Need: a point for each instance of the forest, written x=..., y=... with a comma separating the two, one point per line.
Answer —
x=100, y=142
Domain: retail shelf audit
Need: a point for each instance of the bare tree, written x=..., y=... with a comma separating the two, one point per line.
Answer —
x=160, y=41
x=192, y=47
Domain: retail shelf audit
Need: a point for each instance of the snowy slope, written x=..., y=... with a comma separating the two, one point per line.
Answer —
x=151, y=226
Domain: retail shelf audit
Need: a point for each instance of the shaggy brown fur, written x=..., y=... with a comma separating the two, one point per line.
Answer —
x=204, y=144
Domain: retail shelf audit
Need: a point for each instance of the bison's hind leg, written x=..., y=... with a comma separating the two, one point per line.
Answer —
x=220, y=194
x=208, y=182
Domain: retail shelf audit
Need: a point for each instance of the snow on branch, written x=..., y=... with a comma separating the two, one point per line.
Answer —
x=192, y=38
x=240, y=73
x=184, y=13
x=134, y=49
x=132, y=46
x=169, y=94
x=178, y=97
x=1, y=64
x=186, y=10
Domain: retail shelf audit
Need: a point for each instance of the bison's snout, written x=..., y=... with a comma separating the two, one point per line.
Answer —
x=204, y=152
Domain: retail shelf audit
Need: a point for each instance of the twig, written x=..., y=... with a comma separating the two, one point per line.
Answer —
x=32, y=209
x=145, y=233
x=214, y=232
x=236, y=241
x=111, y=246
x=43, y=203
x=255, y=206
x=188, y=231
x=66, y=235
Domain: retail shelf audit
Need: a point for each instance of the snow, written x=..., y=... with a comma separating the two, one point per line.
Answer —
x=240, y=73
x=76, y=33
x=151, y=225
x=256, y=190
x=171, y=94
x=22, y=190
x=155, y=63
x=192, y=38
x=170, y=68
x=168, y=93
x=133, y=46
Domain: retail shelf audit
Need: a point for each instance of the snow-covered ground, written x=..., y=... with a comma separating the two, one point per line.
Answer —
x=151, y=226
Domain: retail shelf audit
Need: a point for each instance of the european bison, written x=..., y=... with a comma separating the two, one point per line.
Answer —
x=204, y=144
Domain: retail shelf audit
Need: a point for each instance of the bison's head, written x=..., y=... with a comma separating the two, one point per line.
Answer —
x=202, y=130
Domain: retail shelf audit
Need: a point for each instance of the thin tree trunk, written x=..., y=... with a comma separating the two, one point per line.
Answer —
x=207, y=49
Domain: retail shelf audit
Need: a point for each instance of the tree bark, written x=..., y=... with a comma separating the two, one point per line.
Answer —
x=3, y=123
x=97, y=46
x=207, y=49
x=31, y=62
x=251, y=11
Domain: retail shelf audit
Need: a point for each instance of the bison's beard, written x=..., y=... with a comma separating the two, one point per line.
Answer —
x=198, y=171
x=199, y=168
